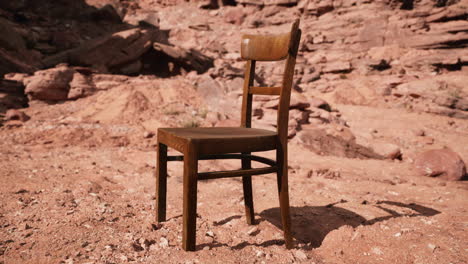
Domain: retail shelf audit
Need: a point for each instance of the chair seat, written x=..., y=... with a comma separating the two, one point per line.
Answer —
x=219, y=140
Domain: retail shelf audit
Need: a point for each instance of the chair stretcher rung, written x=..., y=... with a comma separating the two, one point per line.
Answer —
x=265, y=90
x=235, y=173
x=228, y=156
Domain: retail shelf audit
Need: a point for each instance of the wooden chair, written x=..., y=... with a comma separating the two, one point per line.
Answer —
x=235, y=142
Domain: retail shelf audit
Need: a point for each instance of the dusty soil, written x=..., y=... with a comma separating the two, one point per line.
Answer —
x=77, y=179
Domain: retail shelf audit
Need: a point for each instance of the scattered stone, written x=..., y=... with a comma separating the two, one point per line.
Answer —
x=334, y=143
x=419, y=133
x=316, y=7
x=443, y=163
x=235, y=16
x=310, y=77
x=320, y=103
x=416, y=89
x=145, y=243
x=259, y=254
x=212, y=117
x=252, y=231
x=377, y=251
x=148, y=134
x=432, y=247
x=325, y=173
x=337, y=67
x=14, y=114
x=383, y=90
x=387, y=150
x=163, y=242
x=80, y=86
x=297, y=102
x=300, y=255
x=380, y=66
x=301, y=117
x=462, y=104
x=136, y=246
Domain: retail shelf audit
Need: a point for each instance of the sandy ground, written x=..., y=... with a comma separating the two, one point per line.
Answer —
x=96, y=205
x=77, y=180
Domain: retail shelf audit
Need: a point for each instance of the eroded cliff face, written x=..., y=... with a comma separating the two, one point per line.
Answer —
x=378, y=121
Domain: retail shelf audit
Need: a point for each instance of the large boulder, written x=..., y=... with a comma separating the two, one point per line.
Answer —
x=57, y=84
x=81, y=85
x=49, y=85
x=109, y=53
x=443, y=163
x=134, y=51
x=384, y=149
x=333, y=142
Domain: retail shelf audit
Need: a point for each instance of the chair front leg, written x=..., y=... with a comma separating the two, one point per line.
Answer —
x=282, y=178
x=247, y=186
x=190, y=199
x=161, y=183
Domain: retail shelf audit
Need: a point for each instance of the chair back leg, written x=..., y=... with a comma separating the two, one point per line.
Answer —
x=161, y=183
x=247, y=186
x=282, y=179
x=190, y=199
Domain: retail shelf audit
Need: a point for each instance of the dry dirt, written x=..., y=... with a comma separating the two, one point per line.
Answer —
x=77, y=179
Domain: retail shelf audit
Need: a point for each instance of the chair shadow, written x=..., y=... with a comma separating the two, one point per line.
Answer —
x=311, y=224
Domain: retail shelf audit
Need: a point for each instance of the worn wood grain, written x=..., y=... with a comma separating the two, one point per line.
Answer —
x=265, y=90
x=265, y=47
x=161, y=182
x=235, y=173
x=189, y=218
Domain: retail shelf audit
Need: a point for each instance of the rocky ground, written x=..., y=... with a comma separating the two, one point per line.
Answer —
x=378, y=130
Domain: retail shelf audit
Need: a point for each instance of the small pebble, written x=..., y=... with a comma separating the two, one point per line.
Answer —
x=419, y=133
x=432, y=247
x=163, y=242
x=260, y=254
x=210, y=234
x=148, y=134
x=300, y=255
x=252, y=231
x=377, y=251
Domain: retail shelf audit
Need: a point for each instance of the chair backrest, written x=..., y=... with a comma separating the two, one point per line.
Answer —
x=270, y=48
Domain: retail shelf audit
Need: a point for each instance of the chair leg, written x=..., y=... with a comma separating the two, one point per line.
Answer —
x=161, y=183
x=248, y=199
x=190, y=199
x=282, y=178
